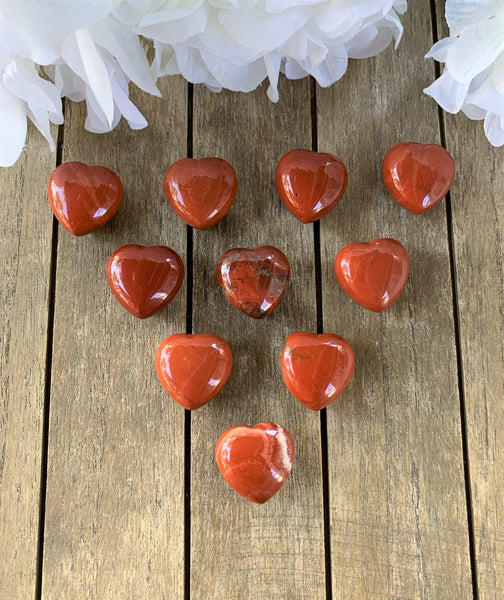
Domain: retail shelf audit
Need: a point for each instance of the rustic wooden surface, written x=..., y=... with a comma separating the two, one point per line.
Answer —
x=109, y=490
x=476, y=231
x=399, y=528
x=25, y=246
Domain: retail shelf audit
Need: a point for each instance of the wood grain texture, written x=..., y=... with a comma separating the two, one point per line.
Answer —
x=239, y=549
x=398, y=508
x=25, y=248
x=478, y=226
x=115, y=500
x=478, y=222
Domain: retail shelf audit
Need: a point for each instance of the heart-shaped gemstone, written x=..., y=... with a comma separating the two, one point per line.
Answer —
x=310, y=183
x=193, y=368
x=201, y=191
x=84, y=198
x=316, y=368
x=417, y=175
x=255, y=461
x=254, y=281
x=144, y=279
x=373, y=273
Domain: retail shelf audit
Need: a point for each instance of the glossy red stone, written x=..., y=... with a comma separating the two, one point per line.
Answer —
x=316, y=368
x=418, y=176
x=254, y=281
x=201, y=191
x=84, y=198
x=373, y=273
x=255, y=461
x=310, y=184
x=193, y=368
x=144, y=279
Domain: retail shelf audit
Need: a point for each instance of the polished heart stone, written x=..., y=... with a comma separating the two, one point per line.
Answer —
x=193, y=368
x=255, y=461
x=310, y=183
x=144, y=279
x=418, y=176
x=84, y=198
x=316, y=368
x=373, y=273
x=254, y=281
x=201, y=191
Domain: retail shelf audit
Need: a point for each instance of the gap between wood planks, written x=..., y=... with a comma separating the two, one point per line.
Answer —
x=456, y=324
x=189, y=327
x=320, y=329
x=47, y=382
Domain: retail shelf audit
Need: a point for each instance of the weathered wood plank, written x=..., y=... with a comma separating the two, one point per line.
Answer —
x=478, y=222
x=115, y=498
x=242, y=550
x=25, y=248
x=398, y=512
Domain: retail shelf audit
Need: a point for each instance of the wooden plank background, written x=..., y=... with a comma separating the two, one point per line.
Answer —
x=109, y=490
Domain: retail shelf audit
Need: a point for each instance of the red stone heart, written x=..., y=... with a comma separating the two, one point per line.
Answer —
x=193, y=368
x=255, y=461
x=373, y=273
x=84, y=198
x=418, y=176
x=254, y=281
x=201, y=191
x=316, y=368
x=310, y=183
x=144, y=279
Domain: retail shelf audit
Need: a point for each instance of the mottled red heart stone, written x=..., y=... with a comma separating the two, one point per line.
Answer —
x=255, y=461
x=193, y=368
x=254, y=281
x=316, y=368
x=144, y=279
x=201, y=191
x=373, y=273
x=418, y=176
x=84, y=198
x=310, y=183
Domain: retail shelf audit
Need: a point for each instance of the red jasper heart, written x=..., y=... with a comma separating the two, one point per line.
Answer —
x=193, y=368
x=418, y=176
x=310, y=183
x=255, y=461
x=201, y=191
x=144, y=279
x=316, y=368
x=374, y=273
x=254, y=281
x=84, y=198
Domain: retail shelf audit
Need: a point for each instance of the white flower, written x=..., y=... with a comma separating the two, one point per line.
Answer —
x=473, y=78
x=90, y=50
x=86, y=54
x=236, y=44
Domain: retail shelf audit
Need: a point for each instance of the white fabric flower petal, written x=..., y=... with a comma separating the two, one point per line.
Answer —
x=12, y=127
x=460, y=15
x=440, y=49
x=127, y=109
x=125, y=46
x=263, y=31
x=81, y=55
x=448, y=92
x=462, y=60
x=21, y=78
x=494, y=129
x=473, y=79
x=41, y=121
